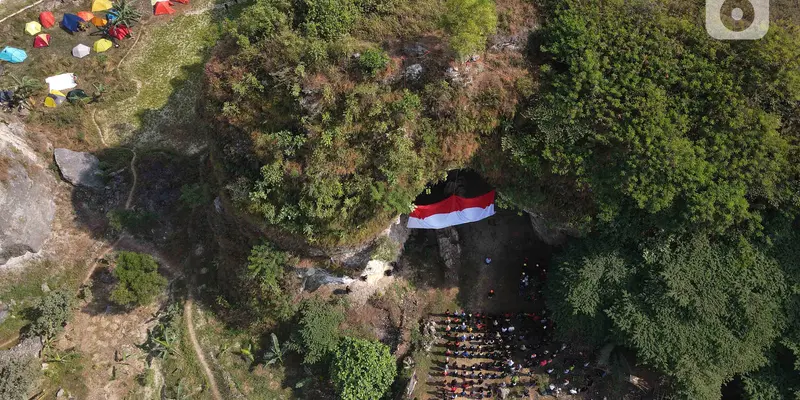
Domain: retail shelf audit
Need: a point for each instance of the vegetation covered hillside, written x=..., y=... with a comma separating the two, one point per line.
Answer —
x=335, y=114
x=674, y=154
x=680, y=155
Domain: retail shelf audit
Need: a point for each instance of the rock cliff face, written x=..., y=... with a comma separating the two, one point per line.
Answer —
x=27, y=206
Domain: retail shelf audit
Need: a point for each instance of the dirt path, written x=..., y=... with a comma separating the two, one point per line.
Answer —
x=187, y=314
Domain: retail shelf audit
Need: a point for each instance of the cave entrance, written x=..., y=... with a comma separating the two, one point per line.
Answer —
x=465, y=183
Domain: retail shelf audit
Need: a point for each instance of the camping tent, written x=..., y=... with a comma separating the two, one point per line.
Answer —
x=12, y=54
x=112, y=16
x=71, y=22
x=47, y=19
x=119, y=32
x=76, y=95
x=101, y=5
x=81, y=51
x=61, y=82
x=41, y=40
x=162, y=8
x=102, y=45
x=33, y=27
x=98, y=22
x=54, y=99
x=85, y=15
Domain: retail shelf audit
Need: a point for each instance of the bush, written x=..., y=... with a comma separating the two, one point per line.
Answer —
x=266, y=271
x=362, y=369
x=373, y=61
x=139, y=280
x=318, y=329
x=50, y=313
x=469, y=23
x=329, y=19
x=17, y=376
x=136, y=222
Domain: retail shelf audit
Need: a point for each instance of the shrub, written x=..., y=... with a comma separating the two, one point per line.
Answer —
x=373, y=61
x=328, y=19
x=362, y=369
x=318, y=329
x=194, y=195
x=50, y=313
x=139, y=280
x=266, y=270
x=17, y=376
x=469, y=23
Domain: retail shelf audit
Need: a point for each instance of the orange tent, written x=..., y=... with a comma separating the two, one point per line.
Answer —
x=162, y=8
x=47, y=19
x=85, y=15
x=97, y=21
x=41, y=40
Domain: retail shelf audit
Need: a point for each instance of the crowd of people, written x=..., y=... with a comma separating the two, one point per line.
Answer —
x=484, y=355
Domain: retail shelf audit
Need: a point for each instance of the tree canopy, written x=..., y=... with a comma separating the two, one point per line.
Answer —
x=362, y=369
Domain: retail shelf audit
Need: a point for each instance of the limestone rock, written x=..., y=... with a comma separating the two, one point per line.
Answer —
x=78, y=168
x=27, y=205
x=314, y=278
x=413, y=72
x=375, y=270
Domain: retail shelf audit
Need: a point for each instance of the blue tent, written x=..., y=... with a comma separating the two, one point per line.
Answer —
x=70, y=22
x=111, y=16
x=12, y=54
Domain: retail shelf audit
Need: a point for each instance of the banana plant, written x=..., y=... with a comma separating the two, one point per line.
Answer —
x=276, y=352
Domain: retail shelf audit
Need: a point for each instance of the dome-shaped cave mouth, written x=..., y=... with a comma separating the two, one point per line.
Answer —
x=465, y=183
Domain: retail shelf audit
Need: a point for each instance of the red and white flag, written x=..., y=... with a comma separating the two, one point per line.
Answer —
x=454, y=210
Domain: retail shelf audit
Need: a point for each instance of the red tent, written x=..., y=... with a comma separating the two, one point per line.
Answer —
x=41, y=40
x=47, y=19
x=119, y=32
x=163, y=7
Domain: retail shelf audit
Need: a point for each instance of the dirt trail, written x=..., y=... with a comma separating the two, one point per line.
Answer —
x=187, y=313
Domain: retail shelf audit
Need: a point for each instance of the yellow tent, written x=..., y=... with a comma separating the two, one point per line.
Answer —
x=33, y=28
x=54, y=99
x=101, y=5
x=102, y=45
x=97, y=21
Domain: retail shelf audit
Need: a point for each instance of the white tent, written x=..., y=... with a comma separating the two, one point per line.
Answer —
x=81, y=50
x=61, y=82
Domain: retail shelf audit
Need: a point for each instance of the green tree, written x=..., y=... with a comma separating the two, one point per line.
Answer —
x=469, y=23
x=126, y=14
x=17, y=377
x=649, y=121
x=699, y=311
x=50, y=313
x=318, y=329
x=362, y=369
x=138, y=279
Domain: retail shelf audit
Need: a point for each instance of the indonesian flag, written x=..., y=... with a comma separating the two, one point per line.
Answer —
x=454, y=210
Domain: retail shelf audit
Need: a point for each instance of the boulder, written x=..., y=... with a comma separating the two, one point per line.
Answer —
x=27, y=205
x=79, y=168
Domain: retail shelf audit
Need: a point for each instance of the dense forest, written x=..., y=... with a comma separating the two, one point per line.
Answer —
x=674, y=156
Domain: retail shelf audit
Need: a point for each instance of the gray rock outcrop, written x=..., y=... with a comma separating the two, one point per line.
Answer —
x=78, y=168
x=314, y=278
x=27, y=204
